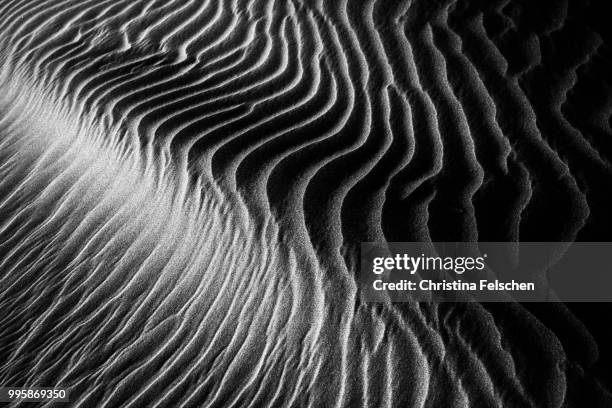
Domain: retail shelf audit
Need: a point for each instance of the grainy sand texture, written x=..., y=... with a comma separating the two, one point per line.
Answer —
x=184, y=185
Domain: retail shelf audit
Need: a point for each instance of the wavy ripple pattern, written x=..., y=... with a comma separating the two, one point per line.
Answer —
x=185, y=185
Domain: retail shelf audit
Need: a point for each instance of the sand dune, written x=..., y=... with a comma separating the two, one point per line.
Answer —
x=185, y=184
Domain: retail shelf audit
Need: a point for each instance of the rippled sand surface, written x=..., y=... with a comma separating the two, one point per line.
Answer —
x=184, y=186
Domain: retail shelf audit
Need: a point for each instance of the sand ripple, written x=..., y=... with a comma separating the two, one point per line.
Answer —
x=184, y=185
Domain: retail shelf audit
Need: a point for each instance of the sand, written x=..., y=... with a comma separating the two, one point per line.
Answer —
x=184, y=186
